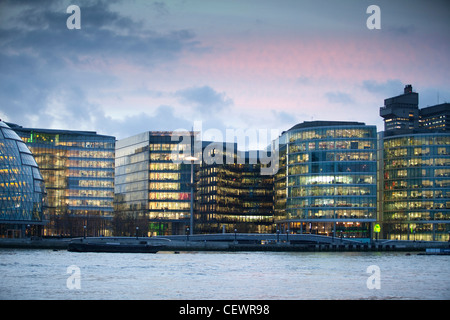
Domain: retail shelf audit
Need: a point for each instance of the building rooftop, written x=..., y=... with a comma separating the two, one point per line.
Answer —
x=54, y=131
x=439, y=108
x=313, y=124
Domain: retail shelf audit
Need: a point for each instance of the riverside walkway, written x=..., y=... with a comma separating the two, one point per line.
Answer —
x=245, y=242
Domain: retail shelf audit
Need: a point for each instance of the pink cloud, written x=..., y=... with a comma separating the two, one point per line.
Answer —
x=353, y=59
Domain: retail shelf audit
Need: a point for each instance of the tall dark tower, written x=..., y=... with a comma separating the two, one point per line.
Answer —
x=401, y=113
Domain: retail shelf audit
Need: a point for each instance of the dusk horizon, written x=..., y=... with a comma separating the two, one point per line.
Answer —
x=141, y=66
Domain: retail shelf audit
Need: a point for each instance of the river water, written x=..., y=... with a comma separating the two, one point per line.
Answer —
x=48, y=274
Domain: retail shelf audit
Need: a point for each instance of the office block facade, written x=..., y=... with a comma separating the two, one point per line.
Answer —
x=416, y=187
x=234, y=196
x=78, y=171
x=22, y=191
x=152, y=190
x=327, y=179
x=414, y=165
x=435, y=118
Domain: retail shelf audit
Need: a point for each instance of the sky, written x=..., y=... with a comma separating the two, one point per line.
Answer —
x=137, y=66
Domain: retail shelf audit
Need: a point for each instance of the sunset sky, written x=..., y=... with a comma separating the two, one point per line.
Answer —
x=136, y=66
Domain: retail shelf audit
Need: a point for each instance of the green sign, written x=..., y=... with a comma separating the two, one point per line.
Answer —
x=377, y=228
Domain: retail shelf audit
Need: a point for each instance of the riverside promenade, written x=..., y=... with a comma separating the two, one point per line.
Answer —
x=242, y=242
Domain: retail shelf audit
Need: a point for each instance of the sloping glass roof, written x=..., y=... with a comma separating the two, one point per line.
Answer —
x=22, y=192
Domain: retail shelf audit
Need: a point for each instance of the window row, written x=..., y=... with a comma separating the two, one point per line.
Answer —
x=416, y=194
x=168, y=215
x=329, y=133
x=412, y=205
x=169, y=196
x=416, y=183
x=90, y=164
x=417, y=140
x=349, y=202
x=92, y=183
x=331, y=179
x=89, y=203
x=332, y=167
x=418, y=215
x=90, y=173
x=91, y=193
x=416, y=173
x=416, y=162
x=322, y=156
x=319, y=191
x=332, y=145
x=411, y=152
x=316, y=213
x=90, y=154
x=168, y=146
x=169, y=205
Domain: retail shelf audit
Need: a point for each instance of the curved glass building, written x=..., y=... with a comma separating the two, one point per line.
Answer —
x=416, y=187
x=22, y=192
x=326, y=183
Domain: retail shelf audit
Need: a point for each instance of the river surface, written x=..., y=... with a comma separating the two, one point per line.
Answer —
x=48, y=274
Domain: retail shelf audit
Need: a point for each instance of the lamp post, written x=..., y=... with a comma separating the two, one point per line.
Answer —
x=191, y=222
x=84, y=227
x=137, y=229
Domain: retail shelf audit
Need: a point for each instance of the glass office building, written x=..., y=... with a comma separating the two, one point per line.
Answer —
x=326, y=183
x=414, y=171
x=232, y=196
x=416, y=187
x=22, y=192
x=78, y=170
x=152, y=190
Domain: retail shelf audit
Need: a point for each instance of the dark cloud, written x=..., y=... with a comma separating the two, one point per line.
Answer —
x=205, y=98
x=39, y=29
x=160, y=8
x=387, y=88
x=104, y=34
x=302, y=80
x=165, y=118
x=339, y=97
x=48, y=71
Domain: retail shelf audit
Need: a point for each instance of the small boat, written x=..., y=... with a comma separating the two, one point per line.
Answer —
x=113, y=245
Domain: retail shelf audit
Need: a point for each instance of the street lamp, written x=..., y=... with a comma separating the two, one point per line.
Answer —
x=137, y=229
x=192, y=159
x=84, y=227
